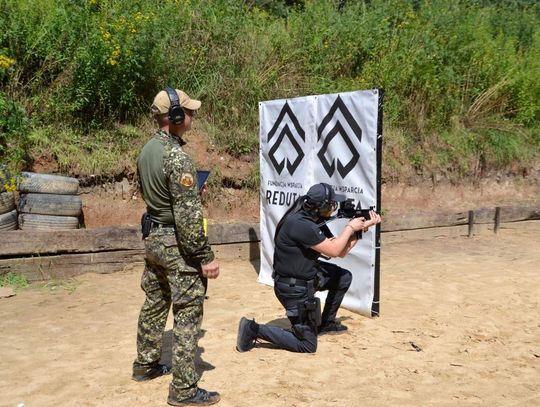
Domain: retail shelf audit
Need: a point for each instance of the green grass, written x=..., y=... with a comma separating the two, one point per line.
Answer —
x=18, y=281
x=14, y=280
x=103, y=154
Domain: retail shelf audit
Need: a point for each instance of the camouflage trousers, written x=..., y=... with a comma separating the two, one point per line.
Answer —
x=168, y=279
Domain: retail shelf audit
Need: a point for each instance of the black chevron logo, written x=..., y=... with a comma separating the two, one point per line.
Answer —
x=330, y=129
x=290, y=129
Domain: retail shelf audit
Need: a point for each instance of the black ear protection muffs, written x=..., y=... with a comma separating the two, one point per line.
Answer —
x=323, y=205
x=327, y=202
x=176, y=113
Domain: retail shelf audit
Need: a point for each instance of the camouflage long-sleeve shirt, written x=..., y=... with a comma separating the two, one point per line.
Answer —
x=168, y=181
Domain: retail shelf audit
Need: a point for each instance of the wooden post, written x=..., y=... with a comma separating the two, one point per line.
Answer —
x=497, y=219
x=471, y=223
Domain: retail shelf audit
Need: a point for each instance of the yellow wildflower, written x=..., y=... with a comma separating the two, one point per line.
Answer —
x=113, y=59
x=410, y=15
x=6, y=62
x=11, y=185
x=116, y=51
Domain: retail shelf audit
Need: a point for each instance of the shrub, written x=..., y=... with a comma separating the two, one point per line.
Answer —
x=120, y=65
x=464, y=67
x=13, y=131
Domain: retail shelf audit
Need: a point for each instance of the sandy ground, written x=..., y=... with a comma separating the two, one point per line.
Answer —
x=471, y=307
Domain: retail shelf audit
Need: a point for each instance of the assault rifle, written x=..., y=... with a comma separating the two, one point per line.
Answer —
x=347, y=209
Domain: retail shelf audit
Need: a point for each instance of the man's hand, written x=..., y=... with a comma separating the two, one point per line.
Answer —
x=210, y=270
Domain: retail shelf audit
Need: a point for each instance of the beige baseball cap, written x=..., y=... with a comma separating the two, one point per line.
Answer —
x=162, y=102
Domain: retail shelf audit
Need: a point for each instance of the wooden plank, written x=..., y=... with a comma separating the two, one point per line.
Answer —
x=69, y=265
x=484, y=215
x=233, y=233
x=422, y=219
x=519, y=213
x=24, y=242
x=35, y=242
x=39, y=242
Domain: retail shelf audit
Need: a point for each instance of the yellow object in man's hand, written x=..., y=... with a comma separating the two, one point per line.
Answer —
x=205, y=226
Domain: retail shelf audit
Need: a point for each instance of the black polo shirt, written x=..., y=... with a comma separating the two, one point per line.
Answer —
x=292, y=254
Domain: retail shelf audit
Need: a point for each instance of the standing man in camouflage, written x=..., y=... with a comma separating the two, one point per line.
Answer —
x=178, y=257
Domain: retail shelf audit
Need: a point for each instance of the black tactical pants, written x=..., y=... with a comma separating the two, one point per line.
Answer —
x=303, y=336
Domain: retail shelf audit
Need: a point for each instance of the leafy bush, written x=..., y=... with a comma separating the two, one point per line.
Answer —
x=13, y=131
x=120, y=65
x=449, y=69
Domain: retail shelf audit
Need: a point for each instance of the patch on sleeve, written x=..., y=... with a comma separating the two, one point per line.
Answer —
x=186, y=180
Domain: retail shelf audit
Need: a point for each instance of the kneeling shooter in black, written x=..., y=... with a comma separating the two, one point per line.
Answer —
x=298, y=273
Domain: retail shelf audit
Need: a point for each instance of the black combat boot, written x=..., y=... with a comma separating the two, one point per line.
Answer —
x=142, y=373
x=201, y=398
x=247, y=334
x=332, y=328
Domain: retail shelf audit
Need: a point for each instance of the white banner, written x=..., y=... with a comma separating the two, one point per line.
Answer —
x=325, y=138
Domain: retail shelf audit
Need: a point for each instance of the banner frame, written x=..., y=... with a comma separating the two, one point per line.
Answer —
x=375, y=305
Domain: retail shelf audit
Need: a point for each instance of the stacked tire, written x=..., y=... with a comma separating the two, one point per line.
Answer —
x=48, y=202
x=8, y=212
